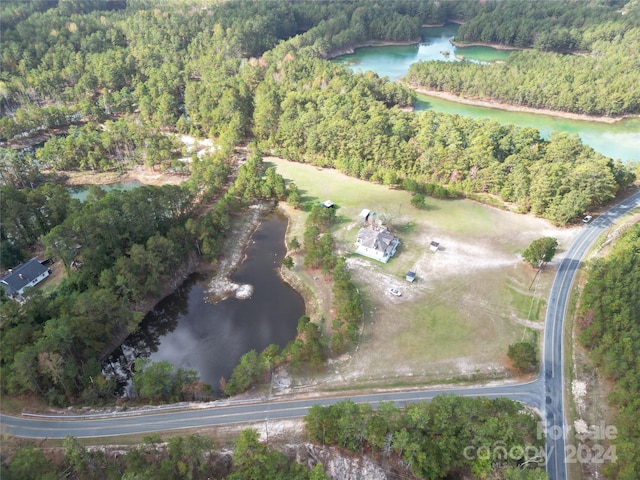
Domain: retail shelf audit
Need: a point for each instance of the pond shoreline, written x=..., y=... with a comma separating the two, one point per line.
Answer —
x=191, y=266
x=497, y=46
x=515, y=108
x=220, y=286
x=369, y=43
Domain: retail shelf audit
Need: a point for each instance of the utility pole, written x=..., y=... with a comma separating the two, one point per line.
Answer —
x=536, y=275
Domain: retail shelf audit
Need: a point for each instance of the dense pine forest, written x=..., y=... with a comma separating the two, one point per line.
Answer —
x=583, y=59
x=109, y=85
x=244, y=70
x=403, y=438
x=193, y=457
x=610, y=330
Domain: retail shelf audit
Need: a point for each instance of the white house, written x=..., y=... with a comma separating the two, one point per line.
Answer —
x=27, y=274
x=376, y=242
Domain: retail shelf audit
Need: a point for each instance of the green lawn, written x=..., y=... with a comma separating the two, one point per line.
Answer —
x=471, y=299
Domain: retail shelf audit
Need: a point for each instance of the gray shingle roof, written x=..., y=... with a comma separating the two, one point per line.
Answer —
x=380, y=240
x=20, y=276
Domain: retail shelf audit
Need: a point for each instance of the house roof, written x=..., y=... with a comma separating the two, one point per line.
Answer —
x=20, y=276
x=380, y=240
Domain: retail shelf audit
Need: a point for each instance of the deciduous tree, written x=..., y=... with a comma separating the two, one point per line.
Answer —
x=540, y=251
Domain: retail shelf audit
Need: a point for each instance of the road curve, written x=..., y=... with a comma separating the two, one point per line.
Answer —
x=552, y=368
x=546, y=393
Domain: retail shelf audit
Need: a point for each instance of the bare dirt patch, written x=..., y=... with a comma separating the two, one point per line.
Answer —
x=589, y=392
x=144, y=175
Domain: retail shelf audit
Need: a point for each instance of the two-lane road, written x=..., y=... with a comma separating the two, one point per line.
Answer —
x=552, y=369
x=221, y=413
x=545, y=393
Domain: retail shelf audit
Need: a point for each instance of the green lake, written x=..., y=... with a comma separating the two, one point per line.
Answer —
x=620, y=140
x=80, y=192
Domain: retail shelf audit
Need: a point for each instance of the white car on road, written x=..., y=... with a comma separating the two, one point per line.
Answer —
x=395, y=292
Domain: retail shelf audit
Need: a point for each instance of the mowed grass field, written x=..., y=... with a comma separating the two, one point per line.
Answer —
x=472, y=298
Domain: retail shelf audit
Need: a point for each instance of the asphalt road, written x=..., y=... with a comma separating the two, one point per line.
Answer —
x=546, y=393
x=552, y=371
x=225, y=412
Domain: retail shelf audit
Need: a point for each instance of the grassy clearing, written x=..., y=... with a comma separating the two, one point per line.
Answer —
x=351, y=196
x=445, y=325
x=472, y=298
x=526, y=305
x=58, y=274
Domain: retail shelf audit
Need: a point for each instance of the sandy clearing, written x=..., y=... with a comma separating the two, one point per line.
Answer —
x=144, y=175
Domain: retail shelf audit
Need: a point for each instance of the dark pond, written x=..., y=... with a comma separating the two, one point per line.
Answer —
x=210, y=338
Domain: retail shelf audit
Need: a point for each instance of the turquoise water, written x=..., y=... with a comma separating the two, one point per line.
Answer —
x=393, y=61
x=620, y=140
x=81, y=192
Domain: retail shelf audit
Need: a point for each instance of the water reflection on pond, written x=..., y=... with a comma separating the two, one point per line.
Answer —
x=211, y=338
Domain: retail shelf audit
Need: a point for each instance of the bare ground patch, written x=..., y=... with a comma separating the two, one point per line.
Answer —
x=144, y=175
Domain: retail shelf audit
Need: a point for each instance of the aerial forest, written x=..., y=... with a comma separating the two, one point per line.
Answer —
x=242, y=70
x=609, y=329
x=581, y=59
x=109, y=85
